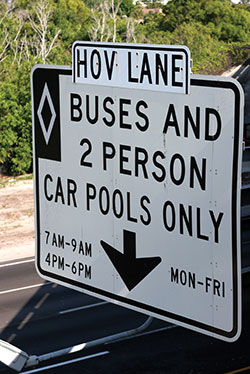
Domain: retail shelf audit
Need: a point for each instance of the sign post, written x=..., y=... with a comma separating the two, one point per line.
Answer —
x=138, y=190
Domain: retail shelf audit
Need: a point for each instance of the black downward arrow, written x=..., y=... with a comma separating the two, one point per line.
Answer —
x=131, y=269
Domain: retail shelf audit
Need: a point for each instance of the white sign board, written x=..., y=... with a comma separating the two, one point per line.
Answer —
x=134, y=66
x=138, y=196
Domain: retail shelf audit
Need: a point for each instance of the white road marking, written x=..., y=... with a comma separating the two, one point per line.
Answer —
x=83, y=307
x=42, y=300
x=25, y=320
x=65, y=363
x=17, y=263
x=25, y=288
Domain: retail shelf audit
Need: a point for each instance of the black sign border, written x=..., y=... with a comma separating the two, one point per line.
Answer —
x=229, y=85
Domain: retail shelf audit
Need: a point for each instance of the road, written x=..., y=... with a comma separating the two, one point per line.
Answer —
x=32, y=308
x=40, y=317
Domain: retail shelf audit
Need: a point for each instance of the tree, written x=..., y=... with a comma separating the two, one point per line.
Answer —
x=137, y=12
x=44, y=41
x=126, y=7
x=4, y=34
x=105, y=21
x=226, y=22
x=130, y=31
x=100, y=29
x=73, y=18
x=153, y=4
x=114, y=12
x=181, y=11
x=216, y=32
x=15, y=122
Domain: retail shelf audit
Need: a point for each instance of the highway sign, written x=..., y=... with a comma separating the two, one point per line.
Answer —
x=134, y=66
x=137, y=196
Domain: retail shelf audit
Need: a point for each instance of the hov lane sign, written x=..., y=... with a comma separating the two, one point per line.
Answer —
x=134, y=66
x=138, y=196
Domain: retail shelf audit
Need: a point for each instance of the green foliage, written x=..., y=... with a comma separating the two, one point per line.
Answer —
x=178, y=12
x=137, y=12
x=153, y=4
x=216, y=32
x=15, y=122
x=127, y=7
x=226, y=22
x=72, y=17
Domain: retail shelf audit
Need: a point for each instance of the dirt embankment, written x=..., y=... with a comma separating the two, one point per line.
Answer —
x=17, y=238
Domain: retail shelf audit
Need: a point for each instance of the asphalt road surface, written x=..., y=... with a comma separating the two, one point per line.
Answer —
x=40, y=317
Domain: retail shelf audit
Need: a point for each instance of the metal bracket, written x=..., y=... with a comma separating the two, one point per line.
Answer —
x=35, y=360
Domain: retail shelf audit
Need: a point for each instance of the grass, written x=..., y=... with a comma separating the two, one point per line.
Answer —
x=6, y=180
